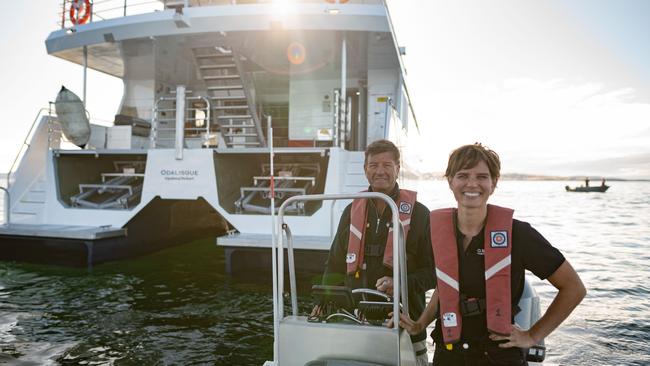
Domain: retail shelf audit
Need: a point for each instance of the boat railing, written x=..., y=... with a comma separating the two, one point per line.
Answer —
x=399, y=253
x=249, y=92
x=399, y=258
x=25, y=145
x=109, y=9
x=175, y=113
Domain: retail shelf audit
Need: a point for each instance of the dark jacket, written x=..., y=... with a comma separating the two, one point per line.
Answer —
x=419, y=256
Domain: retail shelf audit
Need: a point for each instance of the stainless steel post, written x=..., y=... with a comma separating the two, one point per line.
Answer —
x=343, y=95
x=337, y=117
x=180, y=121
x=85, y=50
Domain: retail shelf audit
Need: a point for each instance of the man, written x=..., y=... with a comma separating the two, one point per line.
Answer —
x=358, y=258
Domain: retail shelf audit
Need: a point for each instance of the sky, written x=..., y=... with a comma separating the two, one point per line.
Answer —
x=556, y=87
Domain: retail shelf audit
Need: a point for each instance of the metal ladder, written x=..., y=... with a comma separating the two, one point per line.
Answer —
x=233, y=103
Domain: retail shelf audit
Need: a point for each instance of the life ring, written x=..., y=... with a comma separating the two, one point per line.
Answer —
x=76, y=16
x=339, y=1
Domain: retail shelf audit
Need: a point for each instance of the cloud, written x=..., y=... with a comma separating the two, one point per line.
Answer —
x=538, y=126
x=629, y=166
x=542, y=83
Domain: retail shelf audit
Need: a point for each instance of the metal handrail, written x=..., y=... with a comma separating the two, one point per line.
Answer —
x=27, y=137
x=399, y=251
x=7, y=205
x=108, y=9
x=153, y=137
x=247, y=83
x=399, y=261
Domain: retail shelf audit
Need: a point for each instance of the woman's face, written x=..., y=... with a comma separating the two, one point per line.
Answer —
x=472, y=187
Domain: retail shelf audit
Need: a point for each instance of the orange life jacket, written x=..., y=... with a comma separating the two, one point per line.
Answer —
x=497, y=257
x=358, y=219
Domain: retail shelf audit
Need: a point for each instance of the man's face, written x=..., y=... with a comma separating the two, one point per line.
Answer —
x=382, y=171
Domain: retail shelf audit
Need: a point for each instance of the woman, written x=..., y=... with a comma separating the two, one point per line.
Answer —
x=481, y=254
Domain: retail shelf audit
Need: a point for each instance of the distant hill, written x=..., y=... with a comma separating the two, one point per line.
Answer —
x=416, y=175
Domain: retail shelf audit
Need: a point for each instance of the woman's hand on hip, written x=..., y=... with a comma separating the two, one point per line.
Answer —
x=517, y=338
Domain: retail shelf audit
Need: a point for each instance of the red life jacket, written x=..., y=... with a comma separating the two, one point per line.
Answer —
x=497, y=250
x=358, y=219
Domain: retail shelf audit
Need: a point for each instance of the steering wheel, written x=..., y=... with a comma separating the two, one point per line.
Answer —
x=378, y=295
x=361, y=305
x=374, y=306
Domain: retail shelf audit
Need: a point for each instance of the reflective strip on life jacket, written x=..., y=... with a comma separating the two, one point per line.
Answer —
x=443, y=242
x=358, y=219
x=498, y=251
x=497, y=258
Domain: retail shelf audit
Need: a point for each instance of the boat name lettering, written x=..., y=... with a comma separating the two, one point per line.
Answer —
x=179, y=172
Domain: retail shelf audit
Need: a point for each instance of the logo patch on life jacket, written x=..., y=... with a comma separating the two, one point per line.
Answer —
x=499, y=239
x=449, y=320
x=405, y=207
x=351, y=258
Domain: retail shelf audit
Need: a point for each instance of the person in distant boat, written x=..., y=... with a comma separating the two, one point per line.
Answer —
x=361, y=253
x=586, y=181
x=480, y=255
x=602, y=182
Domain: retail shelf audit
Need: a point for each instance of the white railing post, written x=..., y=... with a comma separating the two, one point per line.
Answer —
x=337, y=115
x=7, y=205
x=153, y=134
x=344, y=93
x=180, y=121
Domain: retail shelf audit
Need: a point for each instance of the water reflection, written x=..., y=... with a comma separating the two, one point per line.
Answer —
x=179, y=307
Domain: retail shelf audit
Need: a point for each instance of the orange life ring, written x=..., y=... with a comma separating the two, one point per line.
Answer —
x=75, y=15
x=334, y=1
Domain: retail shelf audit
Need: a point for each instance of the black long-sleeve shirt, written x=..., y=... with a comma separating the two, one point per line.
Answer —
x=419, y=255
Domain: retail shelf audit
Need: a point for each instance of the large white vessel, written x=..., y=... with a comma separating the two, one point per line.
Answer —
x=188, y=154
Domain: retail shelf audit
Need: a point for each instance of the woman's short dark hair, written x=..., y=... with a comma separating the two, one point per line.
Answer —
x=382, y=146
x=467, y=156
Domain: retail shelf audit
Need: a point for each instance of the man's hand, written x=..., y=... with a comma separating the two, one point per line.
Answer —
x=315, y=312
x=517, y=338
x=385, y=285
x=405, y=322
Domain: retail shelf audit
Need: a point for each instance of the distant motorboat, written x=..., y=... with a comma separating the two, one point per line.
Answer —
x=601, y=188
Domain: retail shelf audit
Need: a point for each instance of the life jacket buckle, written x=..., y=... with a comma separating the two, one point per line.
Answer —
x=471, y=306
x=373, y=250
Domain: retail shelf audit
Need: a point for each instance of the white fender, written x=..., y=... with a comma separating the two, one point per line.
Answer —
x=72, y=116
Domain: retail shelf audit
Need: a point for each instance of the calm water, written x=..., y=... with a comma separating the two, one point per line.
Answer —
x=177, y=307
